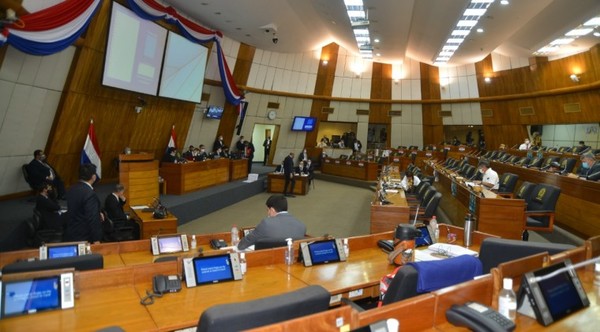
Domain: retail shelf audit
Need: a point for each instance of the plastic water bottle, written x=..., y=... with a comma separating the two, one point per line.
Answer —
x=507, y=300
x=235, y=236
x=194, y=244
x=346, y=248
x=243, y=265
x=289, y=252
x=435, y=229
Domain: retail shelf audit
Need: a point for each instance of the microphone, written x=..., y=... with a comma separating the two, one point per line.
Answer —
x=514, y=146
x=567, y=268
x=545, y=168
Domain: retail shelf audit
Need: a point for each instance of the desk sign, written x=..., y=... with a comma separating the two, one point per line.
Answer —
x=337, y=161
x=348, y=163
x=361, y=164
x=327, y=161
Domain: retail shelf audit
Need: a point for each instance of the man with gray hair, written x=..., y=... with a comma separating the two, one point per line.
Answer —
x=113, y=206
x=490, y=178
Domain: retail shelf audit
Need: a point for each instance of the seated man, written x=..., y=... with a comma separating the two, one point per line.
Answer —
x=170, y=156
x=525, y=145
x=490, y=178
x=202, y=155
x=40, y=173
x=189, y=154
x=50, y=211
x=590, y=167
x=113, y=206
x=278, y=224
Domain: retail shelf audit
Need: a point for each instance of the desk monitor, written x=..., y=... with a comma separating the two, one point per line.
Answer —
x=62, y=250
x=425, y=238
x=28, y=296
x=550, y=298
x=322, y=252
x=168, y=244
x=211, y=269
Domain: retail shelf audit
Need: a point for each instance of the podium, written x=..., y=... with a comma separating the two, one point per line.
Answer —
x=139, y=174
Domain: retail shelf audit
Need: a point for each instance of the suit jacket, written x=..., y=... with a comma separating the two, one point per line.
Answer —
x=38, y=172
x=114, y=208
x=592, y=173
x=302, y=156
x=84, y=212
x=49, y=210
x=288, y=165
x=218, y=145
x=267, y=144
x=281, y=226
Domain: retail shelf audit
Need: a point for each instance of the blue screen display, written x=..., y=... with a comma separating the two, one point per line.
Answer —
x=559, y=292
x=213, y=269
x=30, y=296
x=424, y=239
x=303, y=123
x=214, y=112
x=62, y=251
x=323, y=252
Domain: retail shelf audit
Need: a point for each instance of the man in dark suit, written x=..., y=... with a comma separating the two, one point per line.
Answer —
x=219, y=144
x=278, y=224
x=288, y=173
x=590, y=167
x=40, y=173
x=267, y=146
x=84, y=208
x=113, y=206
x=239, y=145
x=50, y=210
x=249, y=154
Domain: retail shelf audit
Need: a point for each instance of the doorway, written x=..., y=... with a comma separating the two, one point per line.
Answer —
x=259, y=134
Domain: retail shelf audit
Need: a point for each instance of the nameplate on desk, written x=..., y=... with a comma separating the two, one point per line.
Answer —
x=337, y=161
x=355, y=293
x=348, y=163
x=361, y=164
x=335, y=299
x=397, y=160
x=327, y=161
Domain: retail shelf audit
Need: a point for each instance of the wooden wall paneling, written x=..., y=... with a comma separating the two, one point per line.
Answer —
x=381, y=88
x=240, y=73
x=433, y=130
x=323, y=87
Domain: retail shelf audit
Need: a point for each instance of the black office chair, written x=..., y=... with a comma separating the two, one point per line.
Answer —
x=507, y=184
x=25, y=171
x=115, y=231
x=506, y=157
x=548, y=161
x=564, y=149
x=535, y=162
x=37, y=235
x=269, y=310
x=541, y=205
x=524, y=190
x=512, y=159
x=429, y=209
x=523, y=161
x=567, y=165
x=471, y=173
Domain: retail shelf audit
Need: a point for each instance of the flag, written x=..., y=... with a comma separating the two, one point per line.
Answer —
x=172, y=139
x=91, y=153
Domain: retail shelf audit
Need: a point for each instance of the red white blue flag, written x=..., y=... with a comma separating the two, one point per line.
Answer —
x=172, y=139
x=91, y=152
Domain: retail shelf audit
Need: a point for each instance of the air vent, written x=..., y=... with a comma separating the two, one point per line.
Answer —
x=362, y=112
x=445, y=113
x=273, y=106
x=205, y=97
x=525, y=111
x=487, y=113
x=395, y=113
x=572, y=107
x=328, y=110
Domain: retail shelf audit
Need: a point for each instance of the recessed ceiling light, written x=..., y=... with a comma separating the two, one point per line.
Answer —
x=480, y=30
x=376, y=40
x=378, y=54
x=561, y=41
x=579, y=32
x=474, y=11
x=460, y=32
x=504, y=2
x=593, y=22
x=466, y=23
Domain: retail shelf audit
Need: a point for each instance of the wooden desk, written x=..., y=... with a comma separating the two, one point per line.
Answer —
x=362, y=170
x=183, y=309
x=150, y=226
x=499, y=216
x=188, y=177
x=578, y=206
x=386, y=217
x=238, y=169
x=276, y=182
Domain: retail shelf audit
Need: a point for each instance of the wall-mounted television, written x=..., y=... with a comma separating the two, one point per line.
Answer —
x=183, y=69
x=134, y=52
x=304, y=123
x=214, y=112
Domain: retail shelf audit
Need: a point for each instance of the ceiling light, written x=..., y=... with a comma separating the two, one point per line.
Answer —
x=504, y=2
x=480, y=30
x=455, y=40
x=597, y=33
x=579, y=32
x=593, y=22
x=562, y=41
x=376, y=40
x=450, y=47
x=461, y=32
x=466, y=23
x=487, y=79
x=482, y=1
x=474, y=12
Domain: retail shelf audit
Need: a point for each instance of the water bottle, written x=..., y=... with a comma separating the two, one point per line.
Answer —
x=243, y=265
x=597, y=275
x=289, y=252
x=435, y=229
x=235, y=236
x=346, y=248
x=507, y=300
x=468, y=230
x=88, y=249
x=194, y=244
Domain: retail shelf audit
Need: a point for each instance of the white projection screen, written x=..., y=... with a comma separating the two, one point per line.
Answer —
x=134, y=52
x=183, y=69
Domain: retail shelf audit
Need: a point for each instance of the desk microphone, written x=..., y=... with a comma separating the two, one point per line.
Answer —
x=566, y=269
x=514, y=146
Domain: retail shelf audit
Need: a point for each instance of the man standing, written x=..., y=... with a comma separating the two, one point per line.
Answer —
x=278, y=224
x=219, y=144
x=40, y=173
x=267, y=145
x=85, y=223
x=249, y=154
x=288, y=172
x=490, y=177
x=239, y=145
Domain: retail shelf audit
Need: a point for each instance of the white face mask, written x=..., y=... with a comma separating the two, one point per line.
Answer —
x=481, y=171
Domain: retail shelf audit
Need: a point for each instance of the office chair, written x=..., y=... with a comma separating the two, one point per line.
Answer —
x=567, y=165
x=507, y=184
x=564, y=149
x=548, y=161
x=524, y=190
x=541, y=205
x=25, y=171
x=115, y=231
x=38, y=236
x=512, y=159
x=535, y=162
x=429, y=209
x=273, y=309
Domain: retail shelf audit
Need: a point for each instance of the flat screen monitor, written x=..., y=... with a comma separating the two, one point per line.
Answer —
x=322, y=252
x=425, y=238
x=169, y=244
x=183, y=69
x=214, y=112
x=304, y=123
x=29, y=296
x=134, y=52
x=63, y=251
x=211, y=269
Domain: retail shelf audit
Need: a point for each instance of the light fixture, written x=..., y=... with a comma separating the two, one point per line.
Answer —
x=504, y=2
x=325, y=62
x=487, y=79
x=480, y=30
x=574, y=78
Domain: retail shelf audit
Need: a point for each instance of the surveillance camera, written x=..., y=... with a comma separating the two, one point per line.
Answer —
x=275, y=40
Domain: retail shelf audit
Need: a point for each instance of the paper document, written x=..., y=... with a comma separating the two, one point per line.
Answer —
x=139, y=207
x=441, y=251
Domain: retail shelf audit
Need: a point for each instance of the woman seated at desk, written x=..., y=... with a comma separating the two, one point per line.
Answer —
x=409, y=182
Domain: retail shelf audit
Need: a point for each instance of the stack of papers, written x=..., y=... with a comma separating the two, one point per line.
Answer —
x=441, y=251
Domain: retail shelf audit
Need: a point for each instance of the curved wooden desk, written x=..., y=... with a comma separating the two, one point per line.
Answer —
x=188, y=177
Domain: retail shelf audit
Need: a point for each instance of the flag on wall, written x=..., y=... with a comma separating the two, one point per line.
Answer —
x=172, y=139
x=91, y=152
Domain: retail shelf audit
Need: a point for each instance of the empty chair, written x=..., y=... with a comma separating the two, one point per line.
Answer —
x=419, y=193
x=548, y=161
x=428, y=208
x=541, y=205
x=507, y=184
x=524, y=190
x=471, y=173
x=500, y=155
x=564, y=149
x=116, y=231
x=273, y=309
x=567, y=165
x=535, y=162
x=552, y=149
x=512, y=159
x=38, y=236
x=505, y=158
x=523, y=161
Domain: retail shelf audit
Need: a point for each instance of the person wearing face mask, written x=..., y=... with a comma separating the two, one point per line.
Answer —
x=202, y=155
x=489, y=177
x=84, y=208
x=40, y=173
x=525, y=145
x=50, y=211
x=590, y=167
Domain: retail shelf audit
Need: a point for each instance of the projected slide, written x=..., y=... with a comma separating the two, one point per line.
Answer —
x=134, y=52
x=183, y=69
